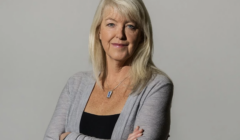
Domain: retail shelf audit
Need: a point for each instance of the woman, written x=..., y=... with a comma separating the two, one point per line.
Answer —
x=126, y=97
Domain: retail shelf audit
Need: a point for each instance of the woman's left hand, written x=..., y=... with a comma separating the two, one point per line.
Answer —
x=63, y=135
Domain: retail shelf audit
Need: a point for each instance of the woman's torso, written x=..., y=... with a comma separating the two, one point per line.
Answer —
x=101, y=113
x=99, y=104
x=81, y=88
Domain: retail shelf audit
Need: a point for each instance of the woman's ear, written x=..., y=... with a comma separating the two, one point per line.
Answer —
x=141, y=40
x=99, y=35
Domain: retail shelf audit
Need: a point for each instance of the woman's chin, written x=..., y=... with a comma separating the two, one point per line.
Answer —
x=119, y=59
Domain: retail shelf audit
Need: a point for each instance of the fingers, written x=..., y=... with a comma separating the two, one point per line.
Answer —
x=134, y=136
x=63, y=135
x=136, y=129
x=136, y=133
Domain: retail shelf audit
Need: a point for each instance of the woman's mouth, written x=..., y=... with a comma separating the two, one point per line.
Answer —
x=119, y=45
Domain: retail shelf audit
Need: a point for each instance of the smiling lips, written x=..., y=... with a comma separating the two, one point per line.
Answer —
x=119, y=45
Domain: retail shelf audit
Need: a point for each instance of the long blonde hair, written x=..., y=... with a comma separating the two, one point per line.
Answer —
x=142, y=66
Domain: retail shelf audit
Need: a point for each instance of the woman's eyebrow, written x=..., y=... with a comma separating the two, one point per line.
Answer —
x=128, y=21
x=111, y=19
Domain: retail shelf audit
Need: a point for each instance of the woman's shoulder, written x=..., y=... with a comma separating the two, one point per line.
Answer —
x=81, y=76
x=160, y=85
x=160, y=79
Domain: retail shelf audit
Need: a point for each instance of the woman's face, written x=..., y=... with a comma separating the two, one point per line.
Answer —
x=119, y=36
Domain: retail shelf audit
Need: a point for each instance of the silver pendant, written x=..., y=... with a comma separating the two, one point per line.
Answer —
x=109, y=94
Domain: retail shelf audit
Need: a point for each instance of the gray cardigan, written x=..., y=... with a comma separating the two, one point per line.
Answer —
x=150, y=110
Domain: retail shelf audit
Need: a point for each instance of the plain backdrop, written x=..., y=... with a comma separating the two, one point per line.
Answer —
x=197, y=43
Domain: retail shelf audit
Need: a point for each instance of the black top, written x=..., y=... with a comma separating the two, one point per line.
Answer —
x=98, y=126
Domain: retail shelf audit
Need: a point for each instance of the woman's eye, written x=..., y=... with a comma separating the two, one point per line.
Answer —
x=131, y=27
x=110, y=24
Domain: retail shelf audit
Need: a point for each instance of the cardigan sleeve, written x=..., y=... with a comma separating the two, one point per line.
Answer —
x=80, y=136
x=57, y=124
x=154, y=115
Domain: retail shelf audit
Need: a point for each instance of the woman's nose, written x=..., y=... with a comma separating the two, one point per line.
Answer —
x=121, y=34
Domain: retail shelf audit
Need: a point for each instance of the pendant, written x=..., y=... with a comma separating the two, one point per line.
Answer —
x=109, y=94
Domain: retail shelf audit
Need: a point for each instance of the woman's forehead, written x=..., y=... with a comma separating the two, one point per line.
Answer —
x=112, y=13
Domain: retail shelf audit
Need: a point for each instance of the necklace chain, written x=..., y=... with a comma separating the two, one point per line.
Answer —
x=111, y=91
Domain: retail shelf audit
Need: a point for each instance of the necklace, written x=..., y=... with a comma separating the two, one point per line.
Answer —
x=111, y=91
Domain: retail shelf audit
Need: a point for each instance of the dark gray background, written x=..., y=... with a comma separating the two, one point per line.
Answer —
x=43, y=42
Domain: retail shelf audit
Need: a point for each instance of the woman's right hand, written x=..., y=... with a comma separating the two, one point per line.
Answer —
x=136, y=133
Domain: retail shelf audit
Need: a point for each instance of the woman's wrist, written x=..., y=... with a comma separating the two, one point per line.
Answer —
x=64, y=135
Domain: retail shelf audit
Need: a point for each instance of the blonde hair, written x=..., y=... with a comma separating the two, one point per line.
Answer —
x=142, y=66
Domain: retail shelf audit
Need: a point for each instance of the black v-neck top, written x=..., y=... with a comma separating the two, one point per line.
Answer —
x=99, y=126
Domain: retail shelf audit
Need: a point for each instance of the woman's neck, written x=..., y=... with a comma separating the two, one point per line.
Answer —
x=115, y=74
x=116, y=71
